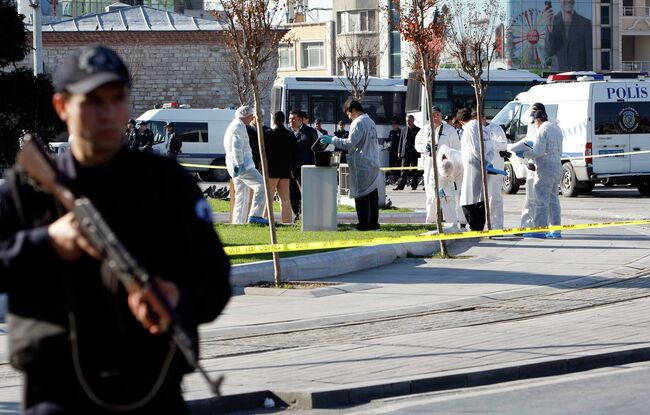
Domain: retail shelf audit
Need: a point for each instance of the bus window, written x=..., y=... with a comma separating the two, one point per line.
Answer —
x=324, y=109
x=298, y=100
x=276, y=99
x=413, y=95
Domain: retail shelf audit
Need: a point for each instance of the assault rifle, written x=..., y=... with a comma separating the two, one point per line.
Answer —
x=133, y=276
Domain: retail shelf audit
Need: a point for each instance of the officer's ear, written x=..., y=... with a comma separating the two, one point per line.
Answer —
x=59, y=102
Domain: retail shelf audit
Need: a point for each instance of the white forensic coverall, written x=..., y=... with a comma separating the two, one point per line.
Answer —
x=495, y=181
x=450, y=166
x=547, y=153
x=362, y=157
x=444, y=135
x=472, y=189
x=239, y=153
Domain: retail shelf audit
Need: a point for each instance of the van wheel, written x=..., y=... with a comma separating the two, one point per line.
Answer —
x=569, y=185
x=215, y=175
x=644, y=186
x=510, y=185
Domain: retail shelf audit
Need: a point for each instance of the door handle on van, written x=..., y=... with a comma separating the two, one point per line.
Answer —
x=636, y=149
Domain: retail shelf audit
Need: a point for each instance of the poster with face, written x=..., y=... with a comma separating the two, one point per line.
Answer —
x=550, y=35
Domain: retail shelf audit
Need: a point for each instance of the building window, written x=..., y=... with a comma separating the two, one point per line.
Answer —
x=356, y=21
x=360, y=66
x=286, y=57
x=604, y=15
x=605, y=59
x=313, y=55
x=605, y=38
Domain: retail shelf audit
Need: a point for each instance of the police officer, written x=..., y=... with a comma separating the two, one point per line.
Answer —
x=145, y=136
x=409, y=155
x=392, y=146
x=131, y=133
x=85, y=345
x=174, y=143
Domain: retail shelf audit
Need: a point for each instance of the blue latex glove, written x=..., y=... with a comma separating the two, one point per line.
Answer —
x=529, y=144
x=441, y=193
x=326, y=140
x=491, y=170
x=519, y=154
x=236, y=171
x=428, y=148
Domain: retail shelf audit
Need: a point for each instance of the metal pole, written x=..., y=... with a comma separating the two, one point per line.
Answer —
x=37, y=37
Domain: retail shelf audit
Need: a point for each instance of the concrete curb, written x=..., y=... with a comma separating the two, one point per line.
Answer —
x=330, y=264
x=364, y=393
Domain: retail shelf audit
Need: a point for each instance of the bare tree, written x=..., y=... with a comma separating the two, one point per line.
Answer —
x=422, y=24
x=358, y=57
x=472, y=41
x=251, y=32
x=235, y=76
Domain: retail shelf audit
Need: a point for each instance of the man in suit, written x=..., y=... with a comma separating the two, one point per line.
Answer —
x=568, y=40
x=305, y=139
x=409, y=155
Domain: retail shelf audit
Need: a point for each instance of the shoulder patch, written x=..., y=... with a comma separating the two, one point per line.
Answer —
x=203, y=211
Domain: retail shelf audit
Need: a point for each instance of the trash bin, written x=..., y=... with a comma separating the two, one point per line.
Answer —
x=325, y=155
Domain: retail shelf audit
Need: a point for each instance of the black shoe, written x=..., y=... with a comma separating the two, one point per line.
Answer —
x=398, y=188
x=414, y=188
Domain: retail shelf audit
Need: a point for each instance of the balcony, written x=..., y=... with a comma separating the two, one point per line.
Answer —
x=638, y=11
x=636, y=66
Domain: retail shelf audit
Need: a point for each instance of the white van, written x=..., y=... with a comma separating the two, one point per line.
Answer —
x=598, y=115
x=201, y=131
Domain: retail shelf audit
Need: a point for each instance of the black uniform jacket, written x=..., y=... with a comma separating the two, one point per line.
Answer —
x=159, y=214
x=305, y=138
x=280, y=145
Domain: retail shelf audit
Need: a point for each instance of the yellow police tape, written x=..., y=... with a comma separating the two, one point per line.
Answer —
x=563, y=158
x=308, y=246
x=205, y=166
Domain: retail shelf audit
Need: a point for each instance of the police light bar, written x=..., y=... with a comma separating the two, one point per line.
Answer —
x=575, y=76
x=173, y=104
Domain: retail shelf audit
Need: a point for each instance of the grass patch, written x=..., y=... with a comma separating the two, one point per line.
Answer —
x=233, y=235
x=293, y=285
x=223, y=206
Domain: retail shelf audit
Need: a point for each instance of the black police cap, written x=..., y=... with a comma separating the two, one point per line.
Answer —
x=88, y=68
x=131, y=121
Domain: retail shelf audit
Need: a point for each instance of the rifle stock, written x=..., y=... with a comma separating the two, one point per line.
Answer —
x=40, y=167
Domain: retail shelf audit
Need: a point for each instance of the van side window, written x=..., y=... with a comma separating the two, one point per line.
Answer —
x=192, y=132
x=609, y=116
x=523, y=121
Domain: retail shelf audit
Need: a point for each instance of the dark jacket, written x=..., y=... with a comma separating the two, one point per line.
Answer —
x=174, y=143
x=321, y=131
x=146, y=139
x=280, y=145
x=255, y=145
x=572, y=53
x=162, y=219
x=305, y=139
x=407, y=143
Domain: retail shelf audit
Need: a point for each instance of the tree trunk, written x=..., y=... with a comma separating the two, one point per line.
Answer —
x=436, y=185
x=277, y=276
x=479, y=114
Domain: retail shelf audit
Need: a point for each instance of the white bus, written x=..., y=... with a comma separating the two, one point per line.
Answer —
x=451, y=92
x=323, y=97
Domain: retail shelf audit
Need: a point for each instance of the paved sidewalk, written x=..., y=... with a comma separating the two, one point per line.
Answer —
x=509, y=308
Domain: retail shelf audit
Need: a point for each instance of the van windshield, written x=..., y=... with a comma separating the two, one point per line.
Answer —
x=505, y=116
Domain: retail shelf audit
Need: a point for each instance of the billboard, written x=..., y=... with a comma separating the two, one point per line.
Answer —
x=550, y=35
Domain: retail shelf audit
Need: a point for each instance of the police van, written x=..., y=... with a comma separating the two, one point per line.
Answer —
x=202, y=133
x=600, y=115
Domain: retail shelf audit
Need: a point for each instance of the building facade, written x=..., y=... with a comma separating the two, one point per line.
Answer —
x=307, y=50
x=171, y=57
x=635, y=35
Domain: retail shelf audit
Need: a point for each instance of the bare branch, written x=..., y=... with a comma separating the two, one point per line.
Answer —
x=359, y=57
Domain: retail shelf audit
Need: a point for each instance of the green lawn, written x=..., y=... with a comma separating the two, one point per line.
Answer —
x=223, y=206
x=233, y=235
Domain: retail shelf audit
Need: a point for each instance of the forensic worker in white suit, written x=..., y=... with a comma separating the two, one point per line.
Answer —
x=443, y=135
x=472, y=198
x=499, y=143
x=363, y=159
x=450, y=167
x=240, y=165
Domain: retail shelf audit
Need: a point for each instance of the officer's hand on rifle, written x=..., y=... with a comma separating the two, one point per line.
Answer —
x=148, y=311
x=67, y=240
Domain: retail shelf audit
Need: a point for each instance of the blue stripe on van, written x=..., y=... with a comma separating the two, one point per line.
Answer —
x=200, y=155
